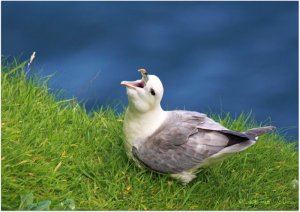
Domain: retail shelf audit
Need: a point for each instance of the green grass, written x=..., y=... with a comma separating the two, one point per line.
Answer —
x=58, y=152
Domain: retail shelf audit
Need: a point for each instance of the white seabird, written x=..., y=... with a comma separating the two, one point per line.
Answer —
x=175, y=142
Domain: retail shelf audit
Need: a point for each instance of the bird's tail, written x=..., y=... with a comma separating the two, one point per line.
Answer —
x=255, y=132
x=252, y=135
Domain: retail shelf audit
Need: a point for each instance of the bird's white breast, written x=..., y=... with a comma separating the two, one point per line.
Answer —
x=138, y=126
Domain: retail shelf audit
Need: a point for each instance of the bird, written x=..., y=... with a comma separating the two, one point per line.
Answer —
x=179, y=142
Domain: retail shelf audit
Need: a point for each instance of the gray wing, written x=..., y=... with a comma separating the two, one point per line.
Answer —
x=183, y=141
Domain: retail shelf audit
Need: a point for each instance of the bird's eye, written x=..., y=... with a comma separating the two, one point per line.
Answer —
x=152, y=91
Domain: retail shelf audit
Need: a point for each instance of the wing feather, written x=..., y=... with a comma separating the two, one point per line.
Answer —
x=183, y=141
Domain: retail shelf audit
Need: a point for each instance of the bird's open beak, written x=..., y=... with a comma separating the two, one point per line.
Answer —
x=138, y=83
x=133, y=84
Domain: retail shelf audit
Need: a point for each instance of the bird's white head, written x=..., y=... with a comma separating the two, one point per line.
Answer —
x=145, y=94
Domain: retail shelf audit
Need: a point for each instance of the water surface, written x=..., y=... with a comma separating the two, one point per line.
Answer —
x=210, y=56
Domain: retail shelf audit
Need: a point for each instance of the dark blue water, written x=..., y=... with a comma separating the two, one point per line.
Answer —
x=210, y=56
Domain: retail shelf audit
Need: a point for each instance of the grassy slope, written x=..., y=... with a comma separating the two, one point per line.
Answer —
x=57, y=151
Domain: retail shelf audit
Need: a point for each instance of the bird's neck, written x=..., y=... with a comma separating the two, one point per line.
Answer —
x=138, y=126
x=154, y=113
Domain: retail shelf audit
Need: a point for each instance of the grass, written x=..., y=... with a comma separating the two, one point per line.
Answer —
x=57, y=156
